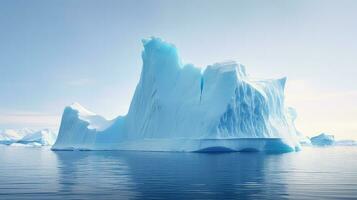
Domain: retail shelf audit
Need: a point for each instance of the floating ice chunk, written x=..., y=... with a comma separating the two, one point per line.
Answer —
x=323, y=140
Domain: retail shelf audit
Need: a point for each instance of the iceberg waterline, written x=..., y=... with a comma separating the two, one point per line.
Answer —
x=179, y=107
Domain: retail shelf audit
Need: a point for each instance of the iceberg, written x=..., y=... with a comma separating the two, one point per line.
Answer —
x=323, y=140
x=345, y=143
x=44, y=137
x=29, y=137
x=179, y=107
x=9, y=136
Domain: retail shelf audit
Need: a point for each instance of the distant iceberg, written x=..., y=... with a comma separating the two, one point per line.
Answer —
x=9, y=136
x=44, y=137
x=345, y=143
x=323, y=140
x=179, y=107
x=28, y=137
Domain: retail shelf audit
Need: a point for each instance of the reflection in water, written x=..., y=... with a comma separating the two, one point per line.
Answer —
x=314, y=173
x=94, y=175
x=167, y=175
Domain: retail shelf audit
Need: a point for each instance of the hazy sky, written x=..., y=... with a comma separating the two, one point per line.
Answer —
x=53, y=53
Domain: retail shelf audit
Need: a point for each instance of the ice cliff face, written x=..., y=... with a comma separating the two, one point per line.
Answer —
x=79, y=127
x=178, y=107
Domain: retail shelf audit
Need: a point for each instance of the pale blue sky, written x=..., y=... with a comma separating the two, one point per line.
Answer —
x=53, y=53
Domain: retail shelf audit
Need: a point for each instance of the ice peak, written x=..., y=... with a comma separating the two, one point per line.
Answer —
x=282, y=82
x=159, y=54
x=78, y=107
x=158, y=46
x=154, y=40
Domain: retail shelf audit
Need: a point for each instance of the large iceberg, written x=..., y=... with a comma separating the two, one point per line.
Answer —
x=179, y=107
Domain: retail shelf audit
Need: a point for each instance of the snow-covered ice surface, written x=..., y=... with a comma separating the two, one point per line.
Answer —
x=27, y=137
x=323, y=140
x=179, y=107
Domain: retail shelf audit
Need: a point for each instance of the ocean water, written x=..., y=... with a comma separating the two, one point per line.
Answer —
x=313, y=173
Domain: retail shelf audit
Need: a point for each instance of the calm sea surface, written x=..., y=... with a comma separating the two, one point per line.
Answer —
x=313, y=173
